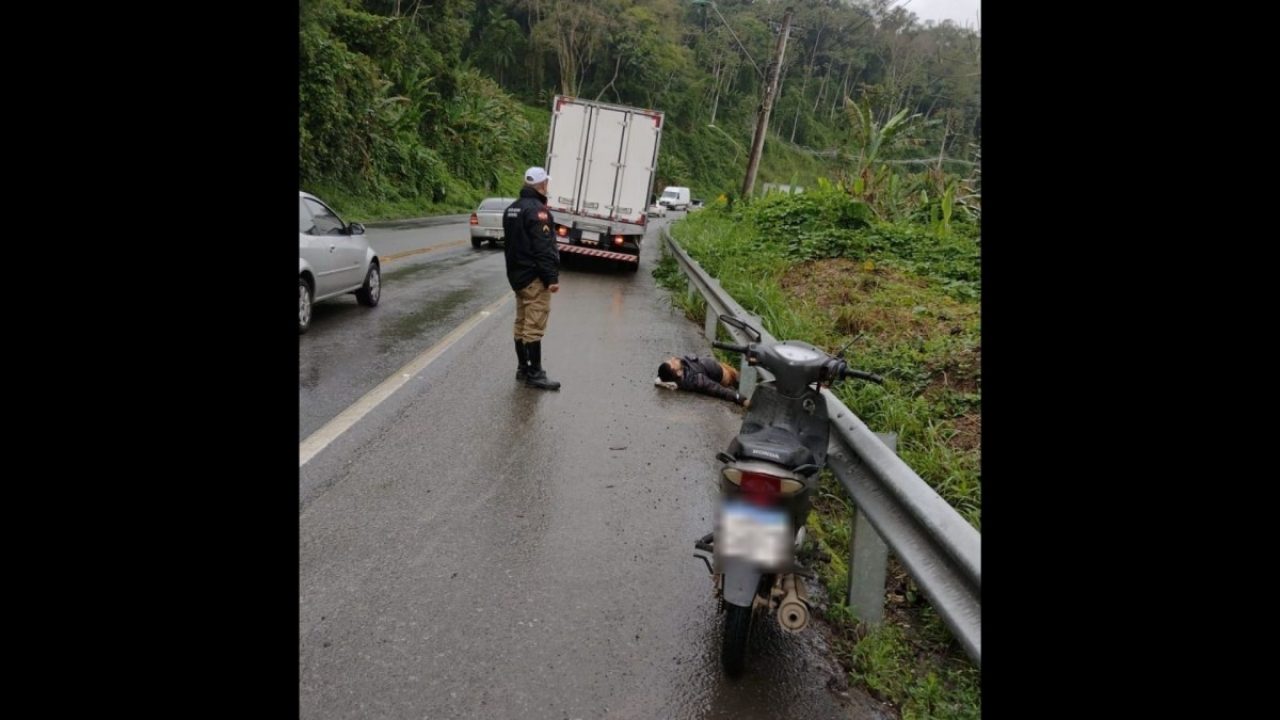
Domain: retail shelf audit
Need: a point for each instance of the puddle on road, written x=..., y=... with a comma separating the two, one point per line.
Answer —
x=412, y=324
x=428, y=266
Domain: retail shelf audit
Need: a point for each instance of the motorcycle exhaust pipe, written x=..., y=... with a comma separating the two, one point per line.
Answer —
x=793, y=611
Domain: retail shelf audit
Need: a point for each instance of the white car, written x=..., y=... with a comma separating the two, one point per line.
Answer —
x=656, y=210
x=334, y=259
x=486, y=221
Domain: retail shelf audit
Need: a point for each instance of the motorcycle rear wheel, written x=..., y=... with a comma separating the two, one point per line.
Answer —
x=737, y=630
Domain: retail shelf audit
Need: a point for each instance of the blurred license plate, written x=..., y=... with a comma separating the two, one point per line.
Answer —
x=494, y=233
x=592, y=236
x=761, y=535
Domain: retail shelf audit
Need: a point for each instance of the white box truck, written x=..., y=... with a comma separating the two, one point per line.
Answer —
x=602, y=159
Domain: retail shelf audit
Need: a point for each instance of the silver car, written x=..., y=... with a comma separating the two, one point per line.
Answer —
x=486, y=221
x=334, y=259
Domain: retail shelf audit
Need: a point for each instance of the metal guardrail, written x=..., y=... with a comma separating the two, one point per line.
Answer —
x=895, y=509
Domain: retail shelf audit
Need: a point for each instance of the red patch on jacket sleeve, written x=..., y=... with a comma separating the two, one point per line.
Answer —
x=543, y=216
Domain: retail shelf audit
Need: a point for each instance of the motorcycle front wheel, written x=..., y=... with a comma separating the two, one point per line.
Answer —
x=737, y=629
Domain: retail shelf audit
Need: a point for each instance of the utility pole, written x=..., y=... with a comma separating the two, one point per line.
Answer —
x=762, y=122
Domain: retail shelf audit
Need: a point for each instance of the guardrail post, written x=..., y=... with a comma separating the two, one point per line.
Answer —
x=747, y=375
x=869, y=561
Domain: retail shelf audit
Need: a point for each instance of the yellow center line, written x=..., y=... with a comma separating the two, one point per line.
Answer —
x=407, y=253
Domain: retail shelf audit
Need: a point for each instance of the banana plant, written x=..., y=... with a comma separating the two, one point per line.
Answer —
x=873, y=138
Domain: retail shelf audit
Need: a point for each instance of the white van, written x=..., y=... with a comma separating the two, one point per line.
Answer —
x=675, y=198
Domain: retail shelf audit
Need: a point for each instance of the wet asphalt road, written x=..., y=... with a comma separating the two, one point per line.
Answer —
x=350, y=349
x=473, y=548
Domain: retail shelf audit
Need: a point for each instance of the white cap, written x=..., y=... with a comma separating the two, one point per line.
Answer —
x=535, y=175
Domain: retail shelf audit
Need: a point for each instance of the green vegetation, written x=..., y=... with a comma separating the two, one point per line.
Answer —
x=410, y=108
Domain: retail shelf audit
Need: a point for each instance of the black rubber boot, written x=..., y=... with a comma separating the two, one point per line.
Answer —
x=537, y=377
x=522, y=354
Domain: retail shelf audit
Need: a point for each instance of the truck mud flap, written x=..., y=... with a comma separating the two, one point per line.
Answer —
x=593, y=252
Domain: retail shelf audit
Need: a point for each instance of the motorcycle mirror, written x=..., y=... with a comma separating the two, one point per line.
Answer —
x=846, y=347
x=734, y=321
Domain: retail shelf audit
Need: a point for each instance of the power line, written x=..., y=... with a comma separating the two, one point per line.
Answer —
x=735, y=37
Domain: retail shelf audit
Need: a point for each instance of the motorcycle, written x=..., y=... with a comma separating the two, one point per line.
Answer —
x=769, y=477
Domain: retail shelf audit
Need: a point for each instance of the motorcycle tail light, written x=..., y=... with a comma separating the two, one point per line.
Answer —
x=762, y=487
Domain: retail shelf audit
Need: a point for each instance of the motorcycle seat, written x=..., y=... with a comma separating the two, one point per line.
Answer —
x=772, y=444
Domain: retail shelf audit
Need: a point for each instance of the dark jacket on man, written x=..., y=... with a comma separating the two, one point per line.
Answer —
x=530, y=244
x=704, y=375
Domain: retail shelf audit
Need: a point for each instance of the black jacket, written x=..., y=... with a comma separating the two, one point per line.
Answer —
x=529, y=241
x=704, y=375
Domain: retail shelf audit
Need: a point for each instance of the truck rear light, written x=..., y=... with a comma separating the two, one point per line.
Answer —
x=617, y=239
x=474, y=220
x=562, y=231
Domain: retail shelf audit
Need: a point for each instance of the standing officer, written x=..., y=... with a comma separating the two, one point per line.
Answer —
x=533, y=269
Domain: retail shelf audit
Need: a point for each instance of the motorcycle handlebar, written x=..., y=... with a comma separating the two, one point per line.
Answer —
x=833, y=365
x=850, y=373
